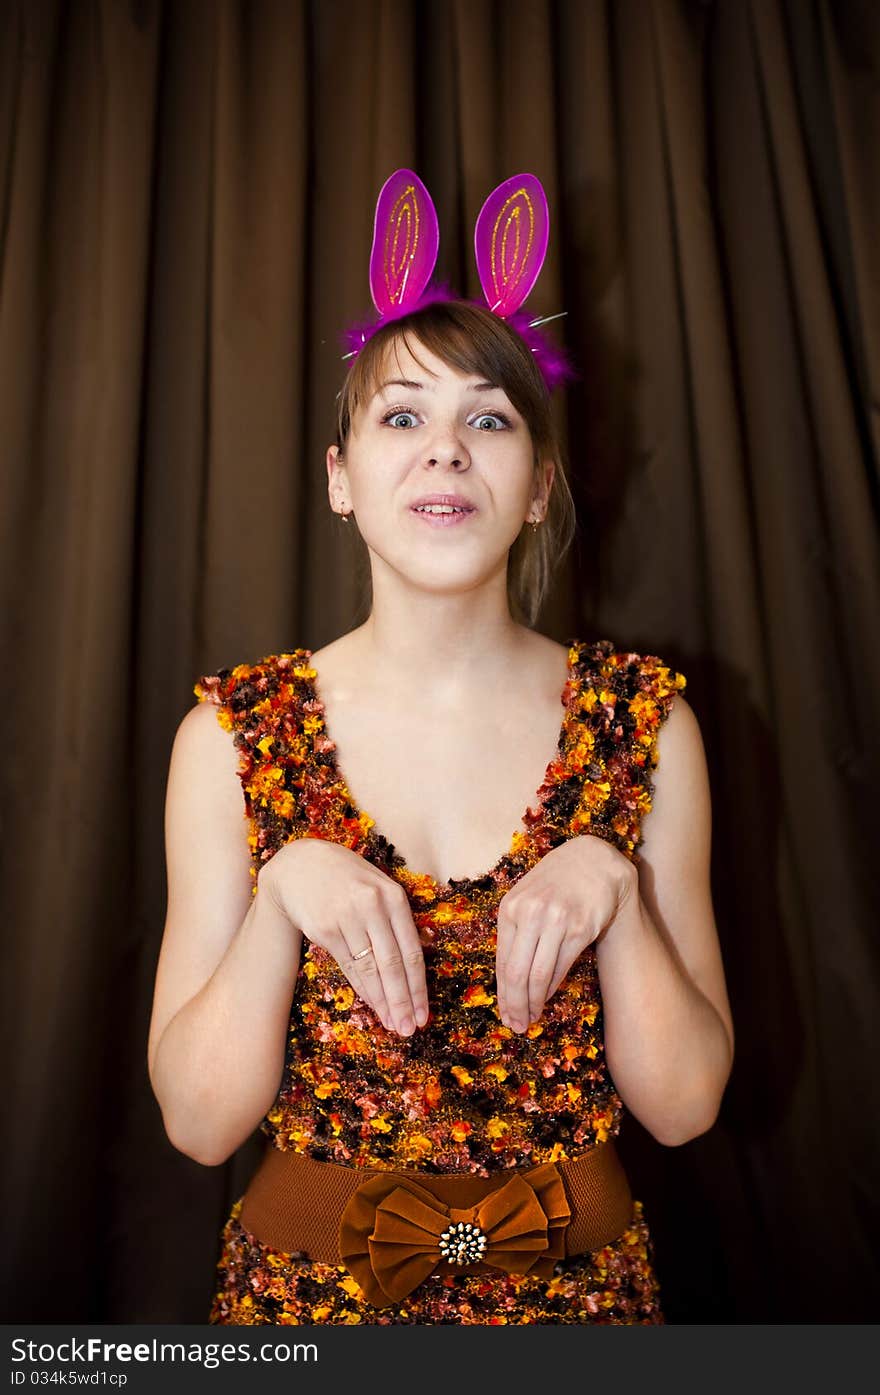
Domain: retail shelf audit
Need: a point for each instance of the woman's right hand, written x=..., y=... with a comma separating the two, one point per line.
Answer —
x=341, y=902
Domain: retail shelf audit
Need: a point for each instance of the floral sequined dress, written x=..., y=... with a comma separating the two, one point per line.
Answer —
x=464, y=1093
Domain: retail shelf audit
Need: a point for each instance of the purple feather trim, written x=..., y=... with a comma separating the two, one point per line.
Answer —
x=553, y=362
x=356, y=336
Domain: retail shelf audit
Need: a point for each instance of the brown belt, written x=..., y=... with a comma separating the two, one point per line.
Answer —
x=391, y=1230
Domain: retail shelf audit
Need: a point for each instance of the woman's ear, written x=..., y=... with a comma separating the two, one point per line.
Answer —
x=337, y=480
x=545, y=472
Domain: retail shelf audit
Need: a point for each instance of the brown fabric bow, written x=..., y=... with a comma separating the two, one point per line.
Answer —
x=391, y=1227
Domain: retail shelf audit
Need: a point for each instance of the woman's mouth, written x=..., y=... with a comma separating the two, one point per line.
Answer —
x=443, y=513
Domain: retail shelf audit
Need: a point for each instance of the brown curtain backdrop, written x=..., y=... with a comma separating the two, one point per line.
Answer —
x=187, y=201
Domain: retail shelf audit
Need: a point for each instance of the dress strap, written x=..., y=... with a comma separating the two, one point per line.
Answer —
x=617, y=704
x=263, y=706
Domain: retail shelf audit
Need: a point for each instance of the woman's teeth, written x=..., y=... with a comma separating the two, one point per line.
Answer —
x=439, y=508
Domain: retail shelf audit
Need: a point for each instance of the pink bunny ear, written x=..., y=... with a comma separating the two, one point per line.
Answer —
x=510, y=241
x=406, y=238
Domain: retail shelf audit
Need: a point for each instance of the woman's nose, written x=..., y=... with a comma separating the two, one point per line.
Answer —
x=448, y=448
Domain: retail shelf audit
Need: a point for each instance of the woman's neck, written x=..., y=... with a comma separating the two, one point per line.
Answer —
x=445, y=641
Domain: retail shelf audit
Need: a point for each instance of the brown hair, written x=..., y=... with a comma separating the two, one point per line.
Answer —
x=471, y=339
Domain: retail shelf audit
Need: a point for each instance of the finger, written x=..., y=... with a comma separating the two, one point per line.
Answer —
x=395, y=985
x=362, y=926
x=505, y=933
x=515, y=978
x=358, y=962
x=564, y=959
x=541, y=973
x=407, y=936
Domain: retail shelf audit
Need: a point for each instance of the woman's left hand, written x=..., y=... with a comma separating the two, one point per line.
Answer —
x=550, y=917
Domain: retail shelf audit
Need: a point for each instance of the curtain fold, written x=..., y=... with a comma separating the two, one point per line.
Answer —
x=186, y=204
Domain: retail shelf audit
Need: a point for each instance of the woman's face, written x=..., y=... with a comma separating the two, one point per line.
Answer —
x=439, y=470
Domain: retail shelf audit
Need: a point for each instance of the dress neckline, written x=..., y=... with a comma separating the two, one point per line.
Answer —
x=521, y=836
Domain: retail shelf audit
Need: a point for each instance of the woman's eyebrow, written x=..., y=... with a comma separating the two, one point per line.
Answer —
x=400, y=382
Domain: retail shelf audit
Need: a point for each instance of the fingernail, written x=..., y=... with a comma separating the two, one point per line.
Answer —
x=406, y=1026
x=517, y=1025
x=422, y=1016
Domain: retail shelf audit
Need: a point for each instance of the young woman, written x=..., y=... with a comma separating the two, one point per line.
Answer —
x=462, y=929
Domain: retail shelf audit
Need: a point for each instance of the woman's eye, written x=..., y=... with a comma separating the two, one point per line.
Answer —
x=392, y=418
x=488, y=417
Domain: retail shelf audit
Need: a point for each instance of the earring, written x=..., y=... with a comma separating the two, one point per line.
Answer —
x=343, y=516
x=536, y=523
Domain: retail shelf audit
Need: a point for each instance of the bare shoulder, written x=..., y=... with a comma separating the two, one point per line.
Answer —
x=548, y=650
x=674, y=856
x=338, y=663
x=677, y=829
x=332, y=652
x=207, y=862
x=204, y=796
x=205, y=817
x=203, y=746
x=681, y=803
x=547, y=660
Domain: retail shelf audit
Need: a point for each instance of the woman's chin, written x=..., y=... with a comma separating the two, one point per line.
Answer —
x=442, y=577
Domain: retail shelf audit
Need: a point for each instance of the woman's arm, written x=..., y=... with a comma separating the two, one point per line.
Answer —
x=228, y=963
x=669, y=1036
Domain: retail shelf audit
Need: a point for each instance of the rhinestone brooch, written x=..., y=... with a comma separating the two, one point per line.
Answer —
x=462, y=1243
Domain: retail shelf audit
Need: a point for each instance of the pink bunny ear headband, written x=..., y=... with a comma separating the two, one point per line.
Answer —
x=510, y=241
